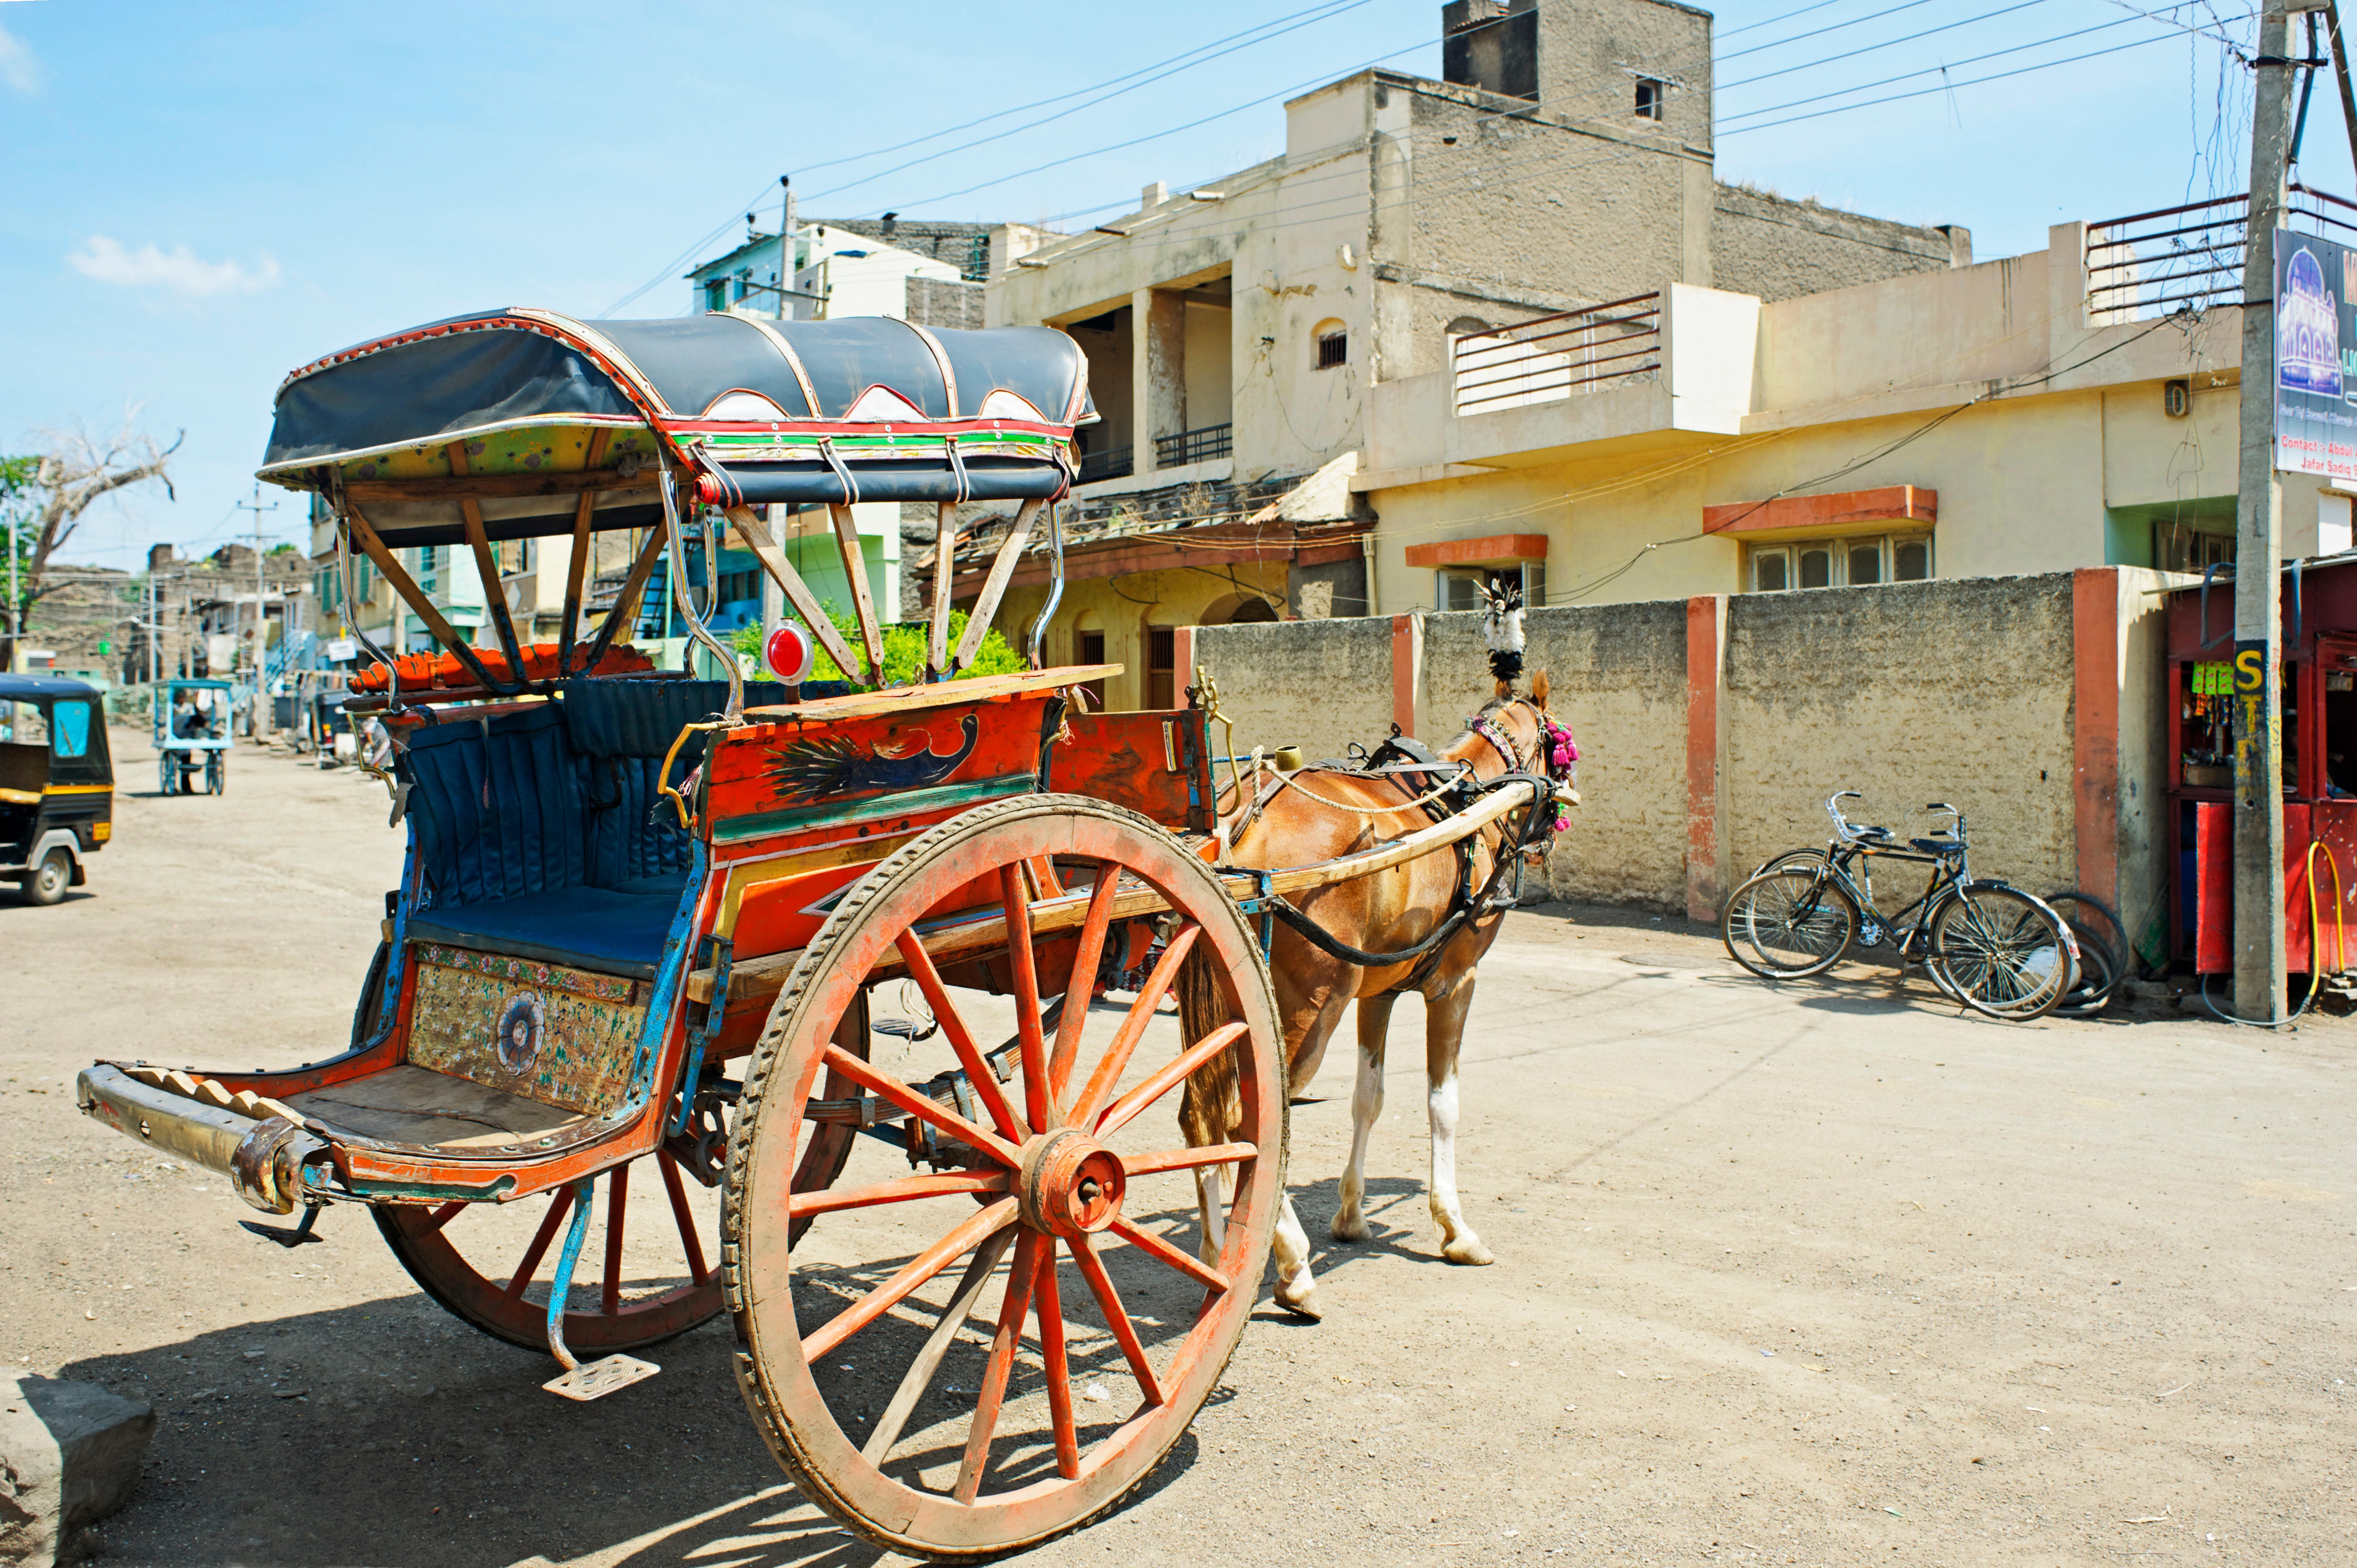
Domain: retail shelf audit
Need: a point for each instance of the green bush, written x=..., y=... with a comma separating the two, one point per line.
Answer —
x=904, y=650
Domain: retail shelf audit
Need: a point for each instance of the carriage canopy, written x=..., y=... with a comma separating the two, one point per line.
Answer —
x=523, y=412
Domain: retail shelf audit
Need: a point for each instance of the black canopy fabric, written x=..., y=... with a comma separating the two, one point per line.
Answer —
x=866, y=408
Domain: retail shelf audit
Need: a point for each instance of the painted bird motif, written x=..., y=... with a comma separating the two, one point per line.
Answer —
x=815, y=769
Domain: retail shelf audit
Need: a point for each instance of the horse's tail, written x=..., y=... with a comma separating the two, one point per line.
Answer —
x=1210, y=1108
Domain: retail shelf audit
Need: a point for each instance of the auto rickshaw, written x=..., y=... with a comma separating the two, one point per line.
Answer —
x=57, y=783
x=192, y=736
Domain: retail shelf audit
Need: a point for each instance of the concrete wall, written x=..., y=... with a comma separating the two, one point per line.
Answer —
x=1123, y=608
x=1591, y=52
x=1318, y=685
x=1909, y=692
x=1777, y=248
x=1618, y=677
x=1711, y=730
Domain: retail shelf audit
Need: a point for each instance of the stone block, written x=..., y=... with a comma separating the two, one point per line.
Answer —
x=70, y=1455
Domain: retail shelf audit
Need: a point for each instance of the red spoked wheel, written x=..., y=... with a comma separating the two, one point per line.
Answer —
x=649, y=1271
x=958, y=1413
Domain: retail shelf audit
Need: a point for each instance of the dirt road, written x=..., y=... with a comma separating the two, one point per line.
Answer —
x=1821, y=1274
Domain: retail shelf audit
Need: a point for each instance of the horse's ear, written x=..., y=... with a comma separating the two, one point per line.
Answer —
x=1505, y=690
x=1539, y=688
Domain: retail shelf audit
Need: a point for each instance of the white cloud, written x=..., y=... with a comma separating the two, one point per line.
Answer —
x=18, y=68
x=179, y=270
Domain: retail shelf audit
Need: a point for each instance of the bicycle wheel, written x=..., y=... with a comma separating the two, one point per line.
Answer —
x=2104, y=952
x=1787, y=923
x=2002, y=952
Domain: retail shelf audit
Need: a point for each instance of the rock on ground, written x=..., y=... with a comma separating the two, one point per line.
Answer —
x=70, y=1455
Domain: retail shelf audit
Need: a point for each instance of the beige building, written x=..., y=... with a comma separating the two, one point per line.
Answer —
x=2056, y=410
x=1244, y=335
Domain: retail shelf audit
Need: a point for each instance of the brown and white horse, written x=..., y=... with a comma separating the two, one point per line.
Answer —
x=1386, y=913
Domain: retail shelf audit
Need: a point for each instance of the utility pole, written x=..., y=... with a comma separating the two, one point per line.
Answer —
x=786, y=248
x=15, y=610
x=2261, y=986
x=261, y=622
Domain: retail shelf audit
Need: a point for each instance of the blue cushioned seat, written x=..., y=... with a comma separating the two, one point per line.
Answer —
x=590, y=928
x=536, y=845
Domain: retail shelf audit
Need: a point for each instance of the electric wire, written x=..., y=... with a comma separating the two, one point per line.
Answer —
x=1950, y=65
x=1820, y=32
x=1322, y=14
x=1717, y=87
x=1059, y=98
x=1771, y=21
x=1945, y=87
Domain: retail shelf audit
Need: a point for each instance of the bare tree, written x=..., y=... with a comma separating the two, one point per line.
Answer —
x=61, y=484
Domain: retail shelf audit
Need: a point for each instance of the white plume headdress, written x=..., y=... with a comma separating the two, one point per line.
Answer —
x=1501, y=629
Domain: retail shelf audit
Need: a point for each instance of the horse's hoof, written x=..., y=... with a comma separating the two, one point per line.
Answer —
x=1350, y=1231
x=1301, y=1304
x=1469, y=1250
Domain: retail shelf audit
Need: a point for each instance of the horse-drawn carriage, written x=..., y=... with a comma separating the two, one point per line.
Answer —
x=848, y=1013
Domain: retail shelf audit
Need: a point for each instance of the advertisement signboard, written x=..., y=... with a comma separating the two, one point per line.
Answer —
x=2316, y=357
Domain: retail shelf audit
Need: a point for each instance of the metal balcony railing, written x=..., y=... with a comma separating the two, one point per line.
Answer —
x=1583, y=350
x=1194, y=445
x=1115, y=463
x=2190, y=258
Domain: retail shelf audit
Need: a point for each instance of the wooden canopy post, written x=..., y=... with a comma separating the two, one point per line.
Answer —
x=626, y=601
x=862, y=605
x=937, y=641
x=994, y=586
x=754, y=534
x=487, y=567
x=577, y=567
x=414, y=597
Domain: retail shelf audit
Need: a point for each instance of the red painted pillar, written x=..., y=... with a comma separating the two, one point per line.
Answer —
x=1182, y=661
x=1407, y=671
x=1706, y=886
x=2095, y=731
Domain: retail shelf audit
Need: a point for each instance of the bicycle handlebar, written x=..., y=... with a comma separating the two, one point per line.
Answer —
x=1846, y=833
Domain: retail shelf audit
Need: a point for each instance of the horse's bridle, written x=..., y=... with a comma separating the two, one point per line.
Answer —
x=1554, y=754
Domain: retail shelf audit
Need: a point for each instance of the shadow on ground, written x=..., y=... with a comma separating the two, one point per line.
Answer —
x=388, y=1434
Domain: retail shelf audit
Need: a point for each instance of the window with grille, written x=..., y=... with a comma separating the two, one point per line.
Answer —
x=1459, y=587
x=1333, y=348
x=1650, y=96
x=1840, y=563
x=1161, y=658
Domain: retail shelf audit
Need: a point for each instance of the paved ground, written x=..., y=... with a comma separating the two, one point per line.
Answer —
x=1822, y=1274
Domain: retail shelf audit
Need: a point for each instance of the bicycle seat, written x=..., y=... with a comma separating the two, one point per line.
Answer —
x=1870, y=835
x=1937, y=843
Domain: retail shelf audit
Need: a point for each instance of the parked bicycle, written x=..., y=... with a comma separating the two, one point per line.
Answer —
x=1985, y=943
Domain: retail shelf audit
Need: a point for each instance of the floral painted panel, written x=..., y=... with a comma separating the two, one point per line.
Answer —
x=557, y=1035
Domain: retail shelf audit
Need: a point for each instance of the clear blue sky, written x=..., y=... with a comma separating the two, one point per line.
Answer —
x=200, y=196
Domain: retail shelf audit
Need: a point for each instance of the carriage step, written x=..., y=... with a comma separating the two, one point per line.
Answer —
x=596, y=1379
x=288, y=1236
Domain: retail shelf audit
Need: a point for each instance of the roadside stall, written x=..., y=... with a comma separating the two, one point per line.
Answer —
x=2319, y=765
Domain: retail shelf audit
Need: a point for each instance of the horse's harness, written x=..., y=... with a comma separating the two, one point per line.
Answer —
x=1401, y=761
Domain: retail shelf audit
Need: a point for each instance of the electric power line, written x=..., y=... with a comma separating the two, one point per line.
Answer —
x=1820, y=32
x=1325, y=14
x=1975, y=81
x=1946, y=66
x=1893, y=43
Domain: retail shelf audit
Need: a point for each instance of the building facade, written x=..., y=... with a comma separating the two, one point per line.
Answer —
x=1240, y=335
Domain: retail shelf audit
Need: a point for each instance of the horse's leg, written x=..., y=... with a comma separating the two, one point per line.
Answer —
x=1296, y=1291
x=1366, y=1106
x=1444, y=1034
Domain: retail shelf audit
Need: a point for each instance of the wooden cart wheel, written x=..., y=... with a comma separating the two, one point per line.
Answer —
x=653, y=1276
x=961, y=1413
